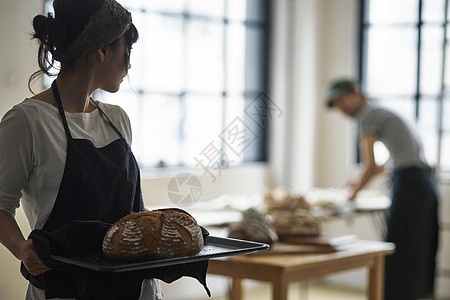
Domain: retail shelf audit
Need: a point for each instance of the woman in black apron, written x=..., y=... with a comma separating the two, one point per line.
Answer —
x=92, y=41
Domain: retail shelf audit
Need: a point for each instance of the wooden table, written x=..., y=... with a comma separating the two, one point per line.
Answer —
x=282, y=269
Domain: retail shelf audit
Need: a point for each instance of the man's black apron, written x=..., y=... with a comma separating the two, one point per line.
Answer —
x=413, y=227
x=98, y=184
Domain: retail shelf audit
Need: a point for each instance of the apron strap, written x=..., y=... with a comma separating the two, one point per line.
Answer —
x=106, y=117
x=60, y=108
x=63, y=115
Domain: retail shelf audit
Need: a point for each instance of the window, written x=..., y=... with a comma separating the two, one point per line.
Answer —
x=196, y=67
x=403, y=67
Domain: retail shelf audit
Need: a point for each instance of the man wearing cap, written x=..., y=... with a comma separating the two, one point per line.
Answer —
x=412, y=219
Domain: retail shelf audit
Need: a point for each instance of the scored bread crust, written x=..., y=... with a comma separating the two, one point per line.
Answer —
x=156, y=234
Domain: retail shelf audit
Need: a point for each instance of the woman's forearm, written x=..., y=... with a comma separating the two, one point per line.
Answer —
x=12, y=238
x=10, y=233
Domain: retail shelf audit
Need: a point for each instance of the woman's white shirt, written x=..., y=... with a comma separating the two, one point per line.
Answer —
x=33, y=152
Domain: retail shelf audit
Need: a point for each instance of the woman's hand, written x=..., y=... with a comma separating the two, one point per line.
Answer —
x=27, y=254
x=12, y=238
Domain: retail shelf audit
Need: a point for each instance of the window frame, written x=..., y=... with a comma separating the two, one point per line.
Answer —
x=418, y=97
x=259, y=151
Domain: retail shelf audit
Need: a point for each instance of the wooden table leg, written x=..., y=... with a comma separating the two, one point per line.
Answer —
x=279, y=288
x=376, y=279
x=236, y=288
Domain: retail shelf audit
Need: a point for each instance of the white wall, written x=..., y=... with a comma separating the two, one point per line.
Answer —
x=18, y=58
x=244, y=180
x=17, y=63
x=294, y=85
x=338, y=58
x=313, y=42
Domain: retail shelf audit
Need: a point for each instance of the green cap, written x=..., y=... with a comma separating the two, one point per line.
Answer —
x=338, y=88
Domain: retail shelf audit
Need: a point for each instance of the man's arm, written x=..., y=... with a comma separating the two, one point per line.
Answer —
x=366, y=144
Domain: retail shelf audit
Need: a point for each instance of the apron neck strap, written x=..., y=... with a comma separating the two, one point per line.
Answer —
x=60, y=108
x=106, y=117
x=63, y=115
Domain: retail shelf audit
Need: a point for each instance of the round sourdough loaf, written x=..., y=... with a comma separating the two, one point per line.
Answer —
x=155, y=234
x=295, y=222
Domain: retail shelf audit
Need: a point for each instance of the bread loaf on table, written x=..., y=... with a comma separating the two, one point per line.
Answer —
x=295, y=222
x=156, y=234
x=254, y=227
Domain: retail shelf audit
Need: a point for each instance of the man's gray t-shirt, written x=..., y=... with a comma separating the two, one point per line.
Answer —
x=405, y=147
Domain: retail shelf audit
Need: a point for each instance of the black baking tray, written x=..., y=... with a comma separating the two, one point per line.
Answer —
x=214, y=247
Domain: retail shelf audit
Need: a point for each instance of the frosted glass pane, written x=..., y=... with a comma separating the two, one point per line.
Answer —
x=210, y=8
x=162, y=5
x=392, y=60
x=433, y=10
x=237, y=9
x=160, y=123
x=429, y=113
x=163, y=43
x=234, y=111
x=431, y=63
x=202, y=125
x=204, y=56
x=447, y=65
x=236, y=58
x=235, y=105
x=393, y=11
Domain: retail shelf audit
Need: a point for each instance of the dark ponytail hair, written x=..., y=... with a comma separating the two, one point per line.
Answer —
x=59, y=31
x=43, y=27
